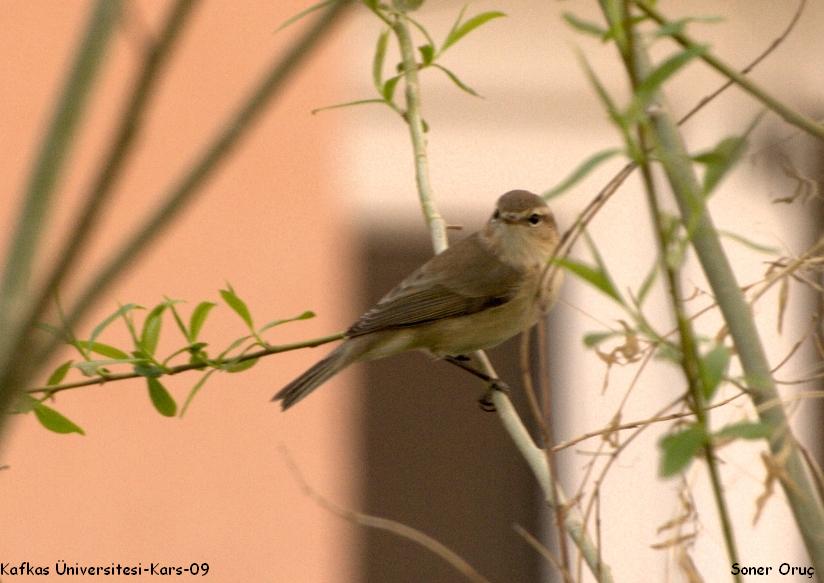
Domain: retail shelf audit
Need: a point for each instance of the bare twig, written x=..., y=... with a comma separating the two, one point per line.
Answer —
x=392, y=526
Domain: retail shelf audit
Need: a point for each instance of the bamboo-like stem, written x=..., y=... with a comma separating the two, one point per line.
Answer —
x=788, y=114
x=803, y=499
x=183, y=190
x=54, y=153
x=638, y=69
x=434, y=220
x=535, y=457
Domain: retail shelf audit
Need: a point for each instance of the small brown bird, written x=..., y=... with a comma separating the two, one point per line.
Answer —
x=476, y=294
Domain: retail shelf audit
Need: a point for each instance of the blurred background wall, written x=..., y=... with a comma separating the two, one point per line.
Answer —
x=320, y=212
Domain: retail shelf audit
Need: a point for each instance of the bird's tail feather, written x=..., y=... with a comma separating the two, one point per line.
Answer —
x=310, y=380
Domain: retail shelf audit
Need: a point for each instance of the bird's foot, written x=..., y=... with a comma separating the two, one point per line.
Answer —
x=486, y=403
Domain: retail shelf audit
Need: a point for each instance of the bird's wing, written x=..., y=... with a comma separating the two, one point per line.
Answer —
x=463, y=280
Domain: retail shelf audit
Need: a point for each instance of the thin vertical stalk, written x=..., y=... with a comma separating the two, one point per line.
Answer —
x=535, y=457
x=414, y=120
x=638, y=68
x=803, y=499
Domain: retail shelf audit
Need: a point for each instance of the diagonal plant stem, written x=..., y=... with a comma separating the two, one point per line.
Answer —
x=638, y=69
x=187, y=186
x=535, y=457
x=156, y=57
x=54, y=154
x=803, y=499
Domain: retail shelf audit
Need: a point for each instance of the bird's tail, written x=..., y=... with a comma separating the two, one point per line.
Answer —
x=310, y=380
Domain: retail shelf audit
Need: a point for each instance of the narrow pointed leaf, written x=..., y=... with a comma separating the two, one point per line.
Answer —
x=238, y=305
x=596, y=278
x=652, y=83
x=304, y=316
x=716, y=362
x=347, y=104
x=198, y=318
x=679, y=449
x=161, y=398
x=103, y=349
x=59, y=373
x=581, y=172
x=118, y=313
x=462, y=29
x=54, y=421
x=745, y=430
x=150, y=334
x=454, y=78
x=303, y=13
x=377, y=62
x=585, y=26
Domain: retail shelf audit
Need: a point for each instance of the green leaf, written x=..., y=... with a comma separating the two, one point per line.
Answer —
x=377, y=61
x=593, y=276
x=161, y=399
x=240, y=366
x=303, y=13
x=719, y=160
x=148, y=370
x=407, y=5
x=427, y=54
x=54, y=421
x=585, y=26
x=460, y=30
x=716, y=363
x=238, y=305
x=304, y=316
x=581, y=172
x=680, y=448
x=648, y=282
x=118, y=313
x=676, y=27
x=388, y=89
x=347, y=104
x=454, y=78
x=59, y=373
x=606, y=99
x=595, y=338
x=749, y=243
x=195, y=389
x=652, y=83
x=103, y=349
x=744, y=430
x=198, y=318
x=150, y=334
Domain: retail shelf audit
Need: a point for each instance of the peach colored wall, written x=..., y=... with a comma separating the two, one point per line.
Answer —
x=210, y=487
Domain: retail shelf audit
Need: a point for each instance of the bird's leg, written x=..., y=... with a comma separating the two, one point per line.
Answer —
x=494, y=384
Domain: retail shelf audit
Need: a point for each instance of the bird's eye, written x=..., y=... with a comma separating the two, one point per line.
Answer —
x=496, y=214
x=534, y=219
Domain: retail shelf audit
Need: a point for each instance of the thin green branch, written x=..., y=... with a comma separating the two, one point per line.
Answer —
x=788, y=114
x=217, y=364
x=535, y=456
x=434, y=220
